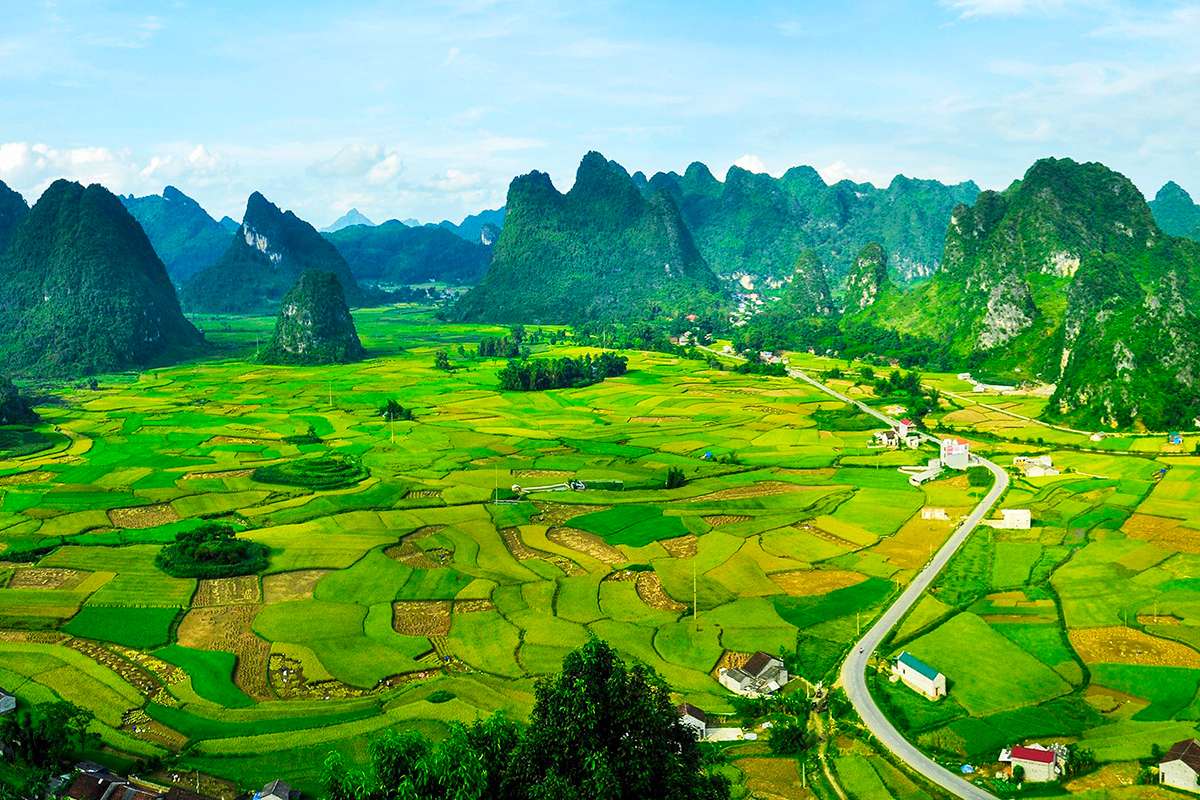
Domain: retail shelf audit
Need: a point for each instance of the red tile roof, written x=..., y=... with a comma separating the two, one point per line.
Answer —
x=1033, y=754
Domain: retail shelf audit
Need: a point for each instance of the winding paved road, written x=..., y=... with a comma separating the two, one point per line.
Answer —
x=854, y=670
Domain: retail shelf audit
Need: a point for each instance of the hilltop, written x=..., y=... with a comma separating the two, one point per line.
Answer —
x=314, y=325
x=602, y=251
x=13, y=209
x=185, y=237
x=264, y=259
x=755, y=224
x=395, y=254
x=82, y=290
x=1175, y=212
x=481, y=228
x=351, y=217
x=1065, y=278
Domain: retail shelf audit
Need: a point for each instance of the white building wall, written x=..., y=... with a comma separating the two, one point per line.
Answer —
x=1179, y=775
x=1036, y=771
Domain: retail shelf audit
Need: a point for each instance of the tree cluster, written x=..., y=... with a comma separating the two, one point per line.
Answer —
x=599, y=729
x=499, y=347
x=212, y=551
x=537, y=375
x=43, y=740
x=394, y=412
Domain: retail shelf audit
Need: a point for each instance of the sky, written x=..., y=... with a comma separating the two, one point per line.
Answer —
x=427, y=110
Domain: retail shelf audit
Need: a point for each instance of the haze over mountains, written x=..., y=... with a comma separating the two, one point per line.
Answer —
x=1068, y=278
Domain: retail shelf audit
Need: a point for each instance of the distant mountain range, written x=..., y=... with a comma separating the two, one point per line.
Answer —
x=756, y=225
x=262, y=262
x=393, y=254
x=482, y=228
x=602, y=251
x=82, y=291
x=185, y=237
x=351, y=217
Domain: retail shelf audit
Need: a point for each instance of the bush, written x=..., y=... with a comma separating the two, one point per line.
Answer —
x=212, y=551
x=979, y=477
x=675, y=478
x=322, y=472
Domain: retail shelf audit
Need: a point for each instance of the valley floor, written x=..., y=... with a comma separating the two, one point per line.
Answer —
x=405, y=596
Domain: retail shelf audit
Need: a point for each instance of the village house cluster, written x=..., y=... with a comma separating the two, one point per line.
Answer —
x=762, y=674
x=91, y=781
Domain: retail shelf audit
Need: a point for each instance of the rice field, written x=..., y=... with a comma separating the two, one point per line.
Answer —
x=393, y=573
x=1084, y=629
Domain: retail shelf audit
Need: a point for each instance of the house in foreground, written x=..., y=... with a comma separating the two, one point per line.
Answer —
x=694, y=719
x=1038, y=764
x=1180, y=767
x=275, y=790
x=762, y=674
x=8, y=703
x=919, y=676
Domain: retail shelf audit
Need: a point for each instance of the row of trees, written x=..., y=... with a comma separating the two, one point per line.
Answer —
x=560, y=373
x=599, y=729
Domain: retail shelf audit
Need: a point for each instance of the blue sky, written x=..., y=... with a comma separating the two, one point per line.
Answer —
x=427, y=110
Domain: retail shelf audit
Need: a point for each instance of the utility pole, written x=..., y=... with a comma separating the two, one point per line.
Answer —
x=695, y=605
x=331, y=394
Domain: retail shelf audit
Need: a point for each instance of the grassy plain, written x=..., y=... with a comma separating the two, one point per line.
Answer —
x=392, y=574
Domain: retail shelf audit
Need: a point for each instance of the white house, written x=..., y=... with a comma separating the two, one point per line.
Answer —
x=1012, y=519
x=919, y=676
x=1180, y=767
x=1040, y=764
x=904, y=428
x=938, y=514
x=1035, y=466
x=694, y=719
x=8, y=703
x=761, y=674
x=956, y=453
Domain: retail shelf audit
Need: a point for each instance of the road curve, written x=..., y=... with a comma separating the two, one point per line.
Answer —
x=854, y=669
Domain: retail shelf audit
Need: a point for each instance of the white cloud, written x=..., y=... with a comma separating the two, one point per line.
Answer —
x=751, y=163
x=371, y=161
x=453, y=180
x=386, y=169
x=841, y=171
x=1005, y=8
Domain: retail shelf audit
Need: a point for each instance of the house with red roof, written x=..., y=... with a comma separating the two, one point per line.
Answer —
x=1038, y=764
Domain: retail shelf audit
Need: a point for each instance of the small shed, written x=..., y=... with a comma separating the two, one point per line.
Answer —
x=8, y=703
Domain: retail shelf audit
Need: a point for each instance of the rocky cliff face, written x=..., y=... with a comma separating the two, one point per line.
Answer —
x=266, y=257
x=82, y=291
x=603, y=251
x=314, y=325
x=807, y=294
x=1065, y=278
x=868, y=277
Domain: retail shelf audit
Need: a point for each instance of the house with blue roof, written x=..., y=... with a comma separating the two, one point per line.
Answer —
x=919, y=676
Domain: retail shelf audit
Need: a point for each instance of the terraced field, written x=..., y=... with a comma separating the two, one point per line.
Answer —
x=399, y=593
x=1084, y=629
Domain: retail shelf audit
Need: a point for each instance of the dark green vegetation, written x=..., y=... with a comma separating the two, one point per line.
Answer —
x=82, y=291
x=212, y=551
x=599, y=728
x=758, y=224
x=42, y=741
x=602, y=251
x=540, y=374
x=1175, y=211
x=185, y=237
x=393, y=254
x=266, y=257
x=807, y=295
x=317, y=472
x=132, y=627
x=868, y=277
x=12, y=211
x=314, y=325
x=1065, y=278
x=14, y=409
